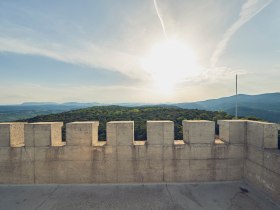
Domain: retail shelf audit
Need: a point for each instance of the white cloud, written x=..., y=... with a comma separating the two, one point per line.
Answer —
x=160, y=19
x=217, y=75
x=249, y=9
x=86, y=53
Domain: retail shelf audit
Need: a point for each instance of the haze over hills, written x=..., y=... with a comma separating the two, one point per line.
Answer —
x=264, y=106
x=60, y=104
x=32, y=109
x=268, y=101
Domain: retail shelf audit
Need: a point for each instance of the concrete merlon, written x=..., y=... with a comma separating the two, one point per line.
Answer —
x=270, y=136
x=160, y=132
x=82, y=133
x=255, y=133
x=236, y=121
x=12, y=134
x=199, y=131
x=262, y=134
x=43, y=134
x=56, y=134
x=120, y=133
x=232, y=131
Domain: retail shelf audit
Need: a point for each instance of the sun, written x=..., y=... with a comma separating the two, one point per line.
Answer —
x=170, y=63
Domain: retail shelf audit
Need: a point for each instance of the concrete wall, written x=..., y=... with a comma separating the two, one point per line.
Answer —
x=262, y=165
x=244, y=150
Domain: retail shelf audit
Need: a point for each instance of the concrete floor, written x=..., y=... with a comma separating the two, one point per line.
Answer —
x=133, y=196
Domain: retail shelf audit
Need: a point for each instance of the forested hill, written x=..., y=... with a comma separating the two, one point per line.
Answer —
x=265, y=106
x=139, y=115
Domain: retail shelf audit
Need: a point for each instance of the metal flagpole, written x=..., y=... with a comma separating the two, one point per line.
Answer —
x=236, y=98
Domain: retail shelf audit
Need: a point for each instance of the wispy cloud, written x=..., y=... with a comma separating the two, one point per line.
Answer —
x=160, y=19
x=216, y=75
x=249, y=9
x=85, y=53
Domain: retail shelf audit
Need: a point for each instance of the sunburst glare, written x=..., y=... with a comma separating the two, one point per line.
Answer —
x=170, y=63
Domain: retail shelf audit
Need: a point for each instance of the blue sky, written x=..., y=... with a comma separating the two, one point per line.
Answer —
x=92, y=50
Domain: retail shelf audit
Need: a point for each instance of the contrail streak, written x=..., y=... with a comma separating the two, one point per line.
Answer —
x=249, y=9
x=160, y=19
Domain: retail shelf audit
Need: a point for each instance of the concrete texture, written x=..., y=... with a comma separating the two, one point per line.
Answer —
x=262, y=168
x=263, y=179
x=262, y=134
x=160, y=132
x=232, y=131
x=82, y=133
x=216, y=196
x=263, y=172
x=124, y=164
x=242, y=154
x=272, y=160
x=12, y=134
x=4, y=135
x=43, y=134
x=270, y=136
x=199, y=131
x=120, y=133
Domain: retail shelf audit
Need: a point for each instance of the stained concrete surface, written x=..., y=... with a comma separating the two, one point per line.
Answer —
x=216, y=196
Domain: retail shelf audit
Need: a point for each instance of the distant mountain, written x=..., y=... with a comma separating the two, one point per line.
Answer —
x=32, y=109
x=62, y=104
x=37, y=103
x=131, y=104
x=265, y=106
x=77, y=104
x=271, y=116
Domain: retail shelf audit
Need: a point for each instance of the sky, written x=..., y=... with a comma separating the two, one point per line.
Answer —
x=148, y=51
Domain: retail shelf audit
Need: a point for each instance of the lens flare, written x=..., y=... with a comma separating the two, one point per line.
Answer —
x=170, y=63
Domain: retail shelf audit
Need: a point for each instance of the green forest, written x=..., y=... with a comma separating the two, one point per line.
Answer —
x=139, y=115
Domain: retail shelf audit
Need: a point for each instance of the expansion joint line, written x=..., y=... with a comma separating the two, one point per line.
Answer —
x=170, y=196
x=41, y=204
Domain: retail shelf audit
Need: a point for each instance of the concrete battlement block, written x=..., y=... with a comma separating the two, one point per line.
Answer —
x=262, y=134
x=160, y=132
x=120, y=133
x=199, y=131
x=233, y=131
x=12, y=134
x=43, y=134
x=82, y=133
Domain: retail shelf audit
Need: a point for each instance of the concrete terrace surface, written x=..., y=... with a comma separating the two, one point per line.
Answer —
x=218, y=195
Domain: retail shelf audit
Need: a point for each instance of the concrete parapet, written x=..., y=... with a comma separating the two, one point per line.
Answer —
x=43, y=134
x=263, y=179
x=160, y=132
x=271, y=160
x=199, y=131
x=82, y=133
x=12, y=134
x=262, y=134
x=247, y=150
x=232, y=131
x=120, y=133
x=262, y=168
